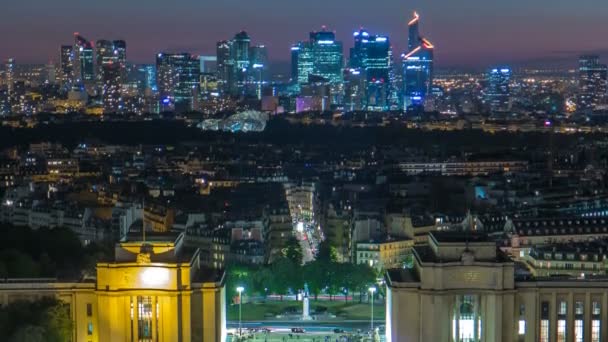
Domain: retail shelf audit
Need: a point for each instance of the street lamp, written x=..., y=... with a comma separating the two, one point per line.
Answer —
x=372, y=290
x=240, y=290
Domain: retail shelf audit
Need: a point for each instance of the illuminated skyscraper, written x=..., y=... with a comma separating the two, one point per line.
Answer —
x=66, y=64
x=111, y=90
x=241, y=67
x=258, y=70
x=10, y=76
x=84, y=65
x=417, y=67
x=327, y=56
x=593, y=84
x=498, y=94
x=240, y=55
x=178, y=77
x=371, y=56
x=321, y=58
x=225, y=66
x=110, y=53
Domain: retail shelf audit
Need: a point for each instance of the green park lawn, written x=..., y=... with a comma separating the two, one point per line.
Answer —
x=352, y=310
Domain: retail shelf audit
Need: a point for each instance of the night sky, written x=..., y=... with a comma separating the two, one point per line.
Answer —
x=465, y=32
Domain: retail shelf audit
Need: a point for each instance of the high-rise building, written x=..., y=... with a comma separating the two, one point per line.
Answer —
x=498, y=94
x=241, y=68
x=240, y=55
x=321, y=58
x=178, y=77
x=355, y=84
x=302, y=62
x=84, y=64
x=66, y=64
x=327, y=56
x=258, y=70
x=371, y=56
x=111, y=52
x=417, y=67
x=593, y=84
x=10, y=76
x=225, y=66
x=111, y=90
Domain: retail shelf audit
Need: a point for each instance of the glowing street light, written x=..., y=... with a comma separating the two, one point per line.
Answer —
x=240, y=290
x=372, y=290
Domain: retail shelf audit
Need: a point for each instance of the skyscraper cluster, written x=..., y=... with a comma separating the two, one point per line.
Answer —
x=242, y=67
x=97, y=69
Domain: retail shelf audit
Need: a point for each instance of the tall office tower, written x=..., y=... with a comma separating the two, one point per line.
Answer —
x=104, y=55
x=66, y=64
x=110, y=53
x=120, y=53
x=592, y=82
x=355, y=84
x=417, y=67
x=112, y=84
x=10, y=76
x=497, y=94
x=295, y=53
x=258, y=70
x=302, y=62
x=320, y=57
x=84, y=64
x=225, y=66
x=328, y=57
x=50, y=76
x=240, y=56
x=371, y=55
x=178, y=77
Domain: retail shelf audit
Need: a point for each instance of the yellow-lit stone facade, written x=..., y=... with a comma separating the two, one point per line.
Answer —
x=467, y=291
x=152, y=292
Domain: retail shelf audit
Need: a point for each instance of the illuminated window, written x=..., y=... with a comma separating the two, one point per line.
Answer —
x=144, y=319
x=544, y=330
x=597, y=309
x=562, y=308
x=578, y=330
x=595, y=330
x=522, y=327
x=561, y=330
x=578, y=308
x=466, y=326
x=90, y=329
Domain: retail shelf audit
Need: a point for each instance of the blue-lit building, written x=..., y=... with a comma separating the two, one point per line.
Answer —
x=417, y=67
x=321, y=58
x=371, y=56
x=178, y=77
x=497, y=93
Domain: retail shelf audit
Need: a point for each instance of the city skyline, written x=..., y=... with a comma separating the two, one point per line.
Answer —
x=197, y=27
